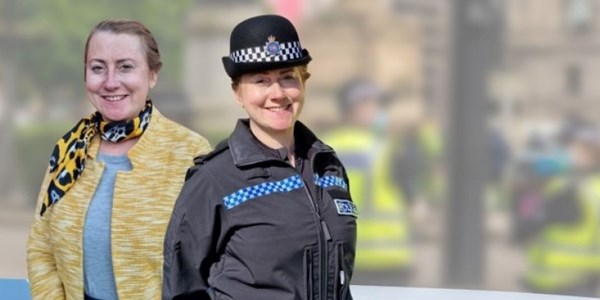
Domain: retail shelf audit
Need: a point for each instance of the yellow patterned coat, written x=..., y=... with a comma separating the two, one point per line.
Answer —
x=142, y=205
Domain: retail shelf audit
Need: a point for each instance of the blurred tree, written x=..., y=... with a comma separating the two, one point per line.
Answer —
x=8, y=46
x=41, y=59
x=52, y=38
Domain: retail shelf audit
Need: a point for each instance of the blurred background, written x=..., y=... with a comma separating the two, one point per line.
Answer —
x=468, y=127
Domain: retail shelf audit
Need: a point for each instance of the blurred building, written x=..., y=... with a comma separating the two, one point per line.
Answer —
x=552, y=57
x=400, y=44
x=434, y=19
x=205, y=83
x=360, y=39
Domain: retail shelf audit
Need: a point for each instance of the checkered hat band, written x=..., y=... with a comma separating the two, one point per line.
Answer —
x=288, y=51
x=260, y=190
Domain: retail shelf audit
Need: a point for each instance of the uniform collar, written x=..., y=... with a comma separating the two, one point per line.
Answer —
x=247, y=150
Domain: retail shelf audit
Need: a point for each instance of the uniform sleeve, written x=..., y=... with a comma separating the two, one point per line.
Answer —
x=191, y=239
x=44, y=280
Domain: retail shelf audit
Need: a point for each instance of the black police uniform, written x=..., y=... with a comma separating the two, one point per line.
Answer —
x=248, y=225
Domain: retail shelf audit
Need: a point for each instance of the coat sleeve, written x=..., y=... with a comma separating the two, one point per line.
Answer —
x=202, y=147
x=42, y=273
x=191, y=239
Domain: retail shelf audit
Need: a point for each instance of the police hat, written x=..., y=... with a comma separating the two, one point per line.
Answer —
x=262, y=43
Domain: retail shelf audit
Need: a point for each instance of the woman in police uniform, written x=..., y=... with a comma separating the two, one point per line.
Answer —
x=268, y=214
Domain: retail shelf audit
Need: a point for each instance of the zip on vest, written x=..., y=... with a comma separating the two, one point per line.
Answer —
x=324, y=235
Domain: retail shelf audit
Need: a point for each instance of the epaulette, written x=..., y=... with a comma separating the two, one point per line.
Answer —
x=221, y=146
x=202, y=159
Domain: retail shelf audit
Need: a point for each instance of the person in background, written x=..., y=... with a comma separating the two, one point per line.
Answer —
x=564, y=256
x=363, y=144
x=268, y=214
x=543, y=160
x=113, y=179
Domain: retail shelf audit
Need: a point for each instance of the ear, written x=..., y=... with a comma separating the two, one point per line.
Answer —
x=153, y=78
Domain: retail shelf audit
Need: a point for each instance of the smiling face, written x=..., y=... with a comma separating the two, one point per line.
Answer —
x=272, y=99
x=117, y=76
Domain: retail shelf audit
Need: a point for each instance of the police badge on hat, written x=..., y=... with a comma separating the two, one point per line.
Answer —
x=272, y=47
x=265, y=42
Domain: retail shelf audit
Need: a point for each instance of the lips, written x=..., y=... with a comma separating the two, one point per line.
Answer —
x=279, y=108
x=114, y=98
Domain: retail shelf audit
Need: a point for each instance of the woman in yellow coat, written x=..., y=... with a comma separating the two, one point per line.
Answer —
x=112, y=181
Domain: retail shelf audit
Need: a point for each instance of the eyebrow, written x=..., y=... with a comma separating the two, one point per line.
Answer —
x=104, y=62
x=280, y=72
x=286, y=71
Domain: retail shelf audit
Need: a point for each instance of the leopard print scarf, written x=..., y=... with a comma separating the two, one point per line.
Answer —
x=68, y=158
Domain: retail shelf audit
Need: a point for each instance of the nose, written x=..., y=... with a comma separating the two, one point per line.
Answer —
x=276, y=91
x=112, y=81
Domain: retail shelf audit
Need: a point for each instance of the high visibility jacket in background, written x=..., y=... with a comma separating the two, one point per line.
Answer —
x=567, y=254
x=383, y=237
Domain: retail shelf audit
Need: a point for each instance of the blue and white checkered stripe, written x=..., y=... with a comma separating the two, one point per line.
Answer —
x=328, y=181
x=288, y=51
x=248, y=193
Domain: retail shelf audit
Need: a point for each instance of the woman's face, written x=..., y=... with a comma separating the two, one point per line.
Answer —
x=273, y=99
x=118, y=78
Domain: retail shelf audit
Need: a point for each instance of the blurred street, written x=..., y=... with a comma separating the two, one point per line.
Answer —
x=468, y=128
x=14, y=228
x=505, y=260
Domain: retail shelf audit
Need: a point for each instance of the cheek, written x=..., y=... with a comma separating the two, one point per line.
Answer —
x=92, y=83
x=296, y=95
x=300, y=106
x=294, y=91
x=137, y=84
x=144, y=80
x=251, y=98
